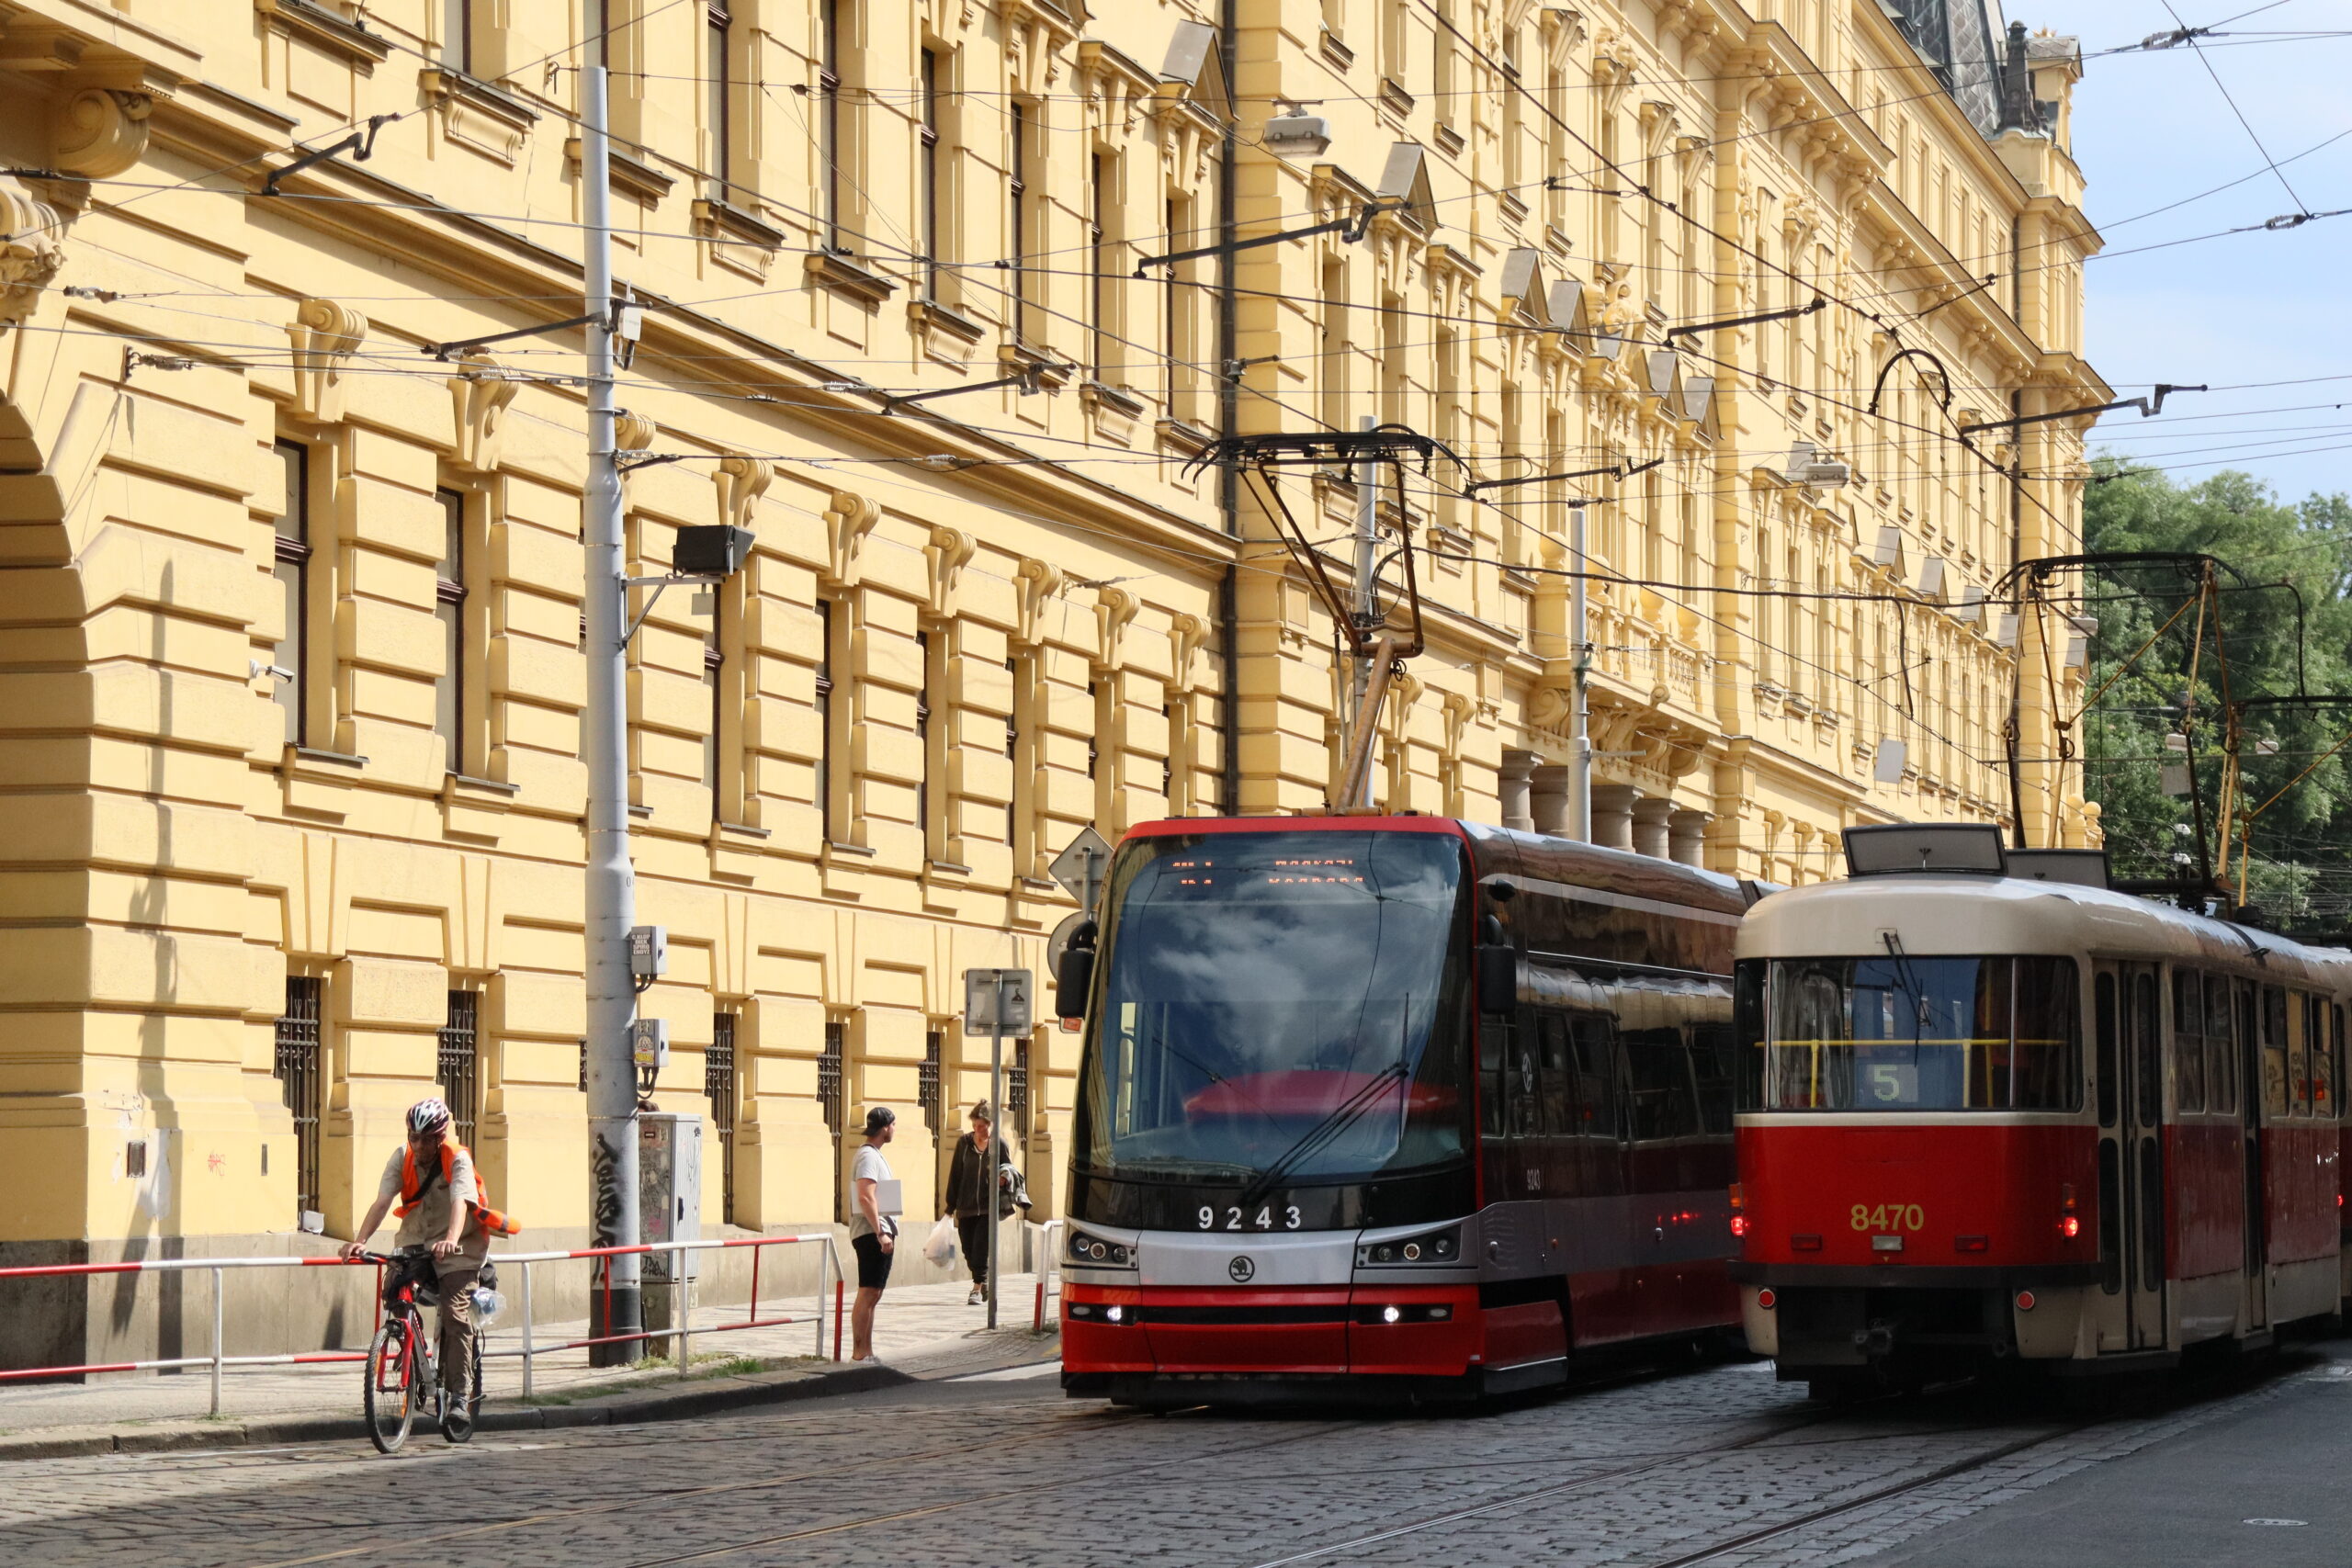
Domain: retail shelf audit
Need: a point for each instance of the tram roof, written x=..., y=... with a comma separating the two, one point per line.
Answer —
x=1508, y=851
x=1951, y=913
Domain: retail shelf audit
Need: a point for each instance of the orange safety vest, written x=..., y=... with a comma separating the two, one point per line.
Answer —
x=413, y=1189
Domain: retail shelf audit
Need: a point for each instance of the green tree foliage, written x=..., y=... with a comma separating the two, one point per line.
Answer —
x=2265, y=645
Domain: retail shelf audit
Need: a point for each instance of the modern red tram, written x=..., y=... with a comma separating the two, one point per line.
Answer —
x=1401, y=1107
x=1993, y=1109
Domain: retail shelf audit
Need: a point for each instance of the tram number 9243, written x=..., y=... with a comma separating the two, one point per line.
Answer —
x=1889, y=1217
x=1234, y=1218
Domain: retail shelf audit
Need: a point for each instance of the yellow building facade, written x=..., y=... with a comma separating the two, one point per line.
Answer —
x=291, y=612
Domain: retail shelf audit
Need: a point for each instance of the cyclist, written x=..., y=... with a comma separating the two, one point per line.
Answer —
x=442, y=1214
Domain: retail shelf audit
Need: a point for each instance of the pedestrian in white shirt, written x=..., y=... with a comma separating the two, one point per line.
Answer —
x=872, y=1235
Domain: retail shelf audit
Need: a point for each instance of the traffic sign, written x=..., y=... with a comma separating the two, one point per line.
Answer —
x=996, y=1001
x=1078, y=868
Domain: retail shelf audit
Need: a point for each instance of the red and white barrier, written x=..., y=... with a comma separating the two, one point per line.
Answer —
x=829, y=1264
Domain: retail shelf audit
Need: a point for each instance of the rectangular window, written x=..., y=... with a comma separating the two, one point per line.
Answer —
x=2220, y=1048
x=1177, y=316
x=829, y=122
x=1019, y=751
x=1331, y=344
x=300, y=1065
x=829, y=1094
x=1025, y=217
x=927, y=1079
x=1016, y=1094
x=934, y=190
x=449, y=607
x=457, y=35
x=458, y=1060
x=714, y=680
x=826, y=780
x=1904, y=1034
x=1102, y=263
x=292, y=571
x=719, y=103
x=720, y=1086
x=927, y=648
x=2189, y=1040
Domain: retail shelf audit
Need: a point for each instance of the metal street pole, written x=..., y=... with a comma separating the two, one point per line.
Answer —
x=1367, y=562
x=997, y=1121
x=1579, y=650
x=611, y=891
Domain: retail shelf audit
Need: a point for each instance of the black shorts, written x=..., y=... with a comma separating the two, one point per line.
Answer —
x=873, y=1263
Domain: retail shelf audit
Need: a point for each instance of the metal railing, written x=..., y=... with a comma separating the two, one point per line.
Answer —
x=829, y=1267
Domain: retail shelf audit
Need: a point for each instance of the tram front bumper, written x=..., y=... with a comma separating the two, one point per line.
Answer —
x=1373, y=1329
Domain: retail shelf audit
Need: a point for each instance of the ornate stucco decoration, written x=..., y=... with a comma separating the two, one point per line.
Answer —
x=101, y=131
x=1039, y=583
x=325, y=335
x=949, y=552
x=482, y=389
x=1187, y=635
x=741, y=481
x=30, y=253
x=848, y=519
x=1115, y=611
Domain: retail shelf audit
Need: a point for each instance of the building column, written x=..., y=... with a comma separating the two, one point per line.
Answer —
x=1649, y=826
x=1612, y=815
x=1548, y=800
x=1512, y=781
x=1686, y=837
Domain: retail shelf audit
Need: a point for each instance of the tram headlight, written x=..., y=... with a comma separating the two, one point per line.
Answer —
x=1096, y=1252
x=1429, y=1246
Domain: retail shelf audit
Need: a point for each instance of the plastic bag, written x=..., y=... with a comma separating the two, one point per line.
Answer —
x=940, y=1248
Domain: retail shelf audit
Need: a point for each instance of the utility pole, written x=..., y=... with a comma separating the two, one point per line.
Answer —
x=1580, y=714
x=611, y=890
x=1367, y=563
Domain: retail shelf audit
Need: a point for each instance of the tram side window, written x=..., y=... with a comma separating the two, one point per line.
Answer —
x=2274, y=1051
x=1558, y=1117
x=1493, y=1040
x=2331, y=1082
x=1662, y=1102
x=2301, y=1046
x=2104, y=1023
x=1712, y=1057
x=1594, y=1038
x=2220, y=1048
x=2147, y=1053
x=2189, y=1040
x=1522, y=1089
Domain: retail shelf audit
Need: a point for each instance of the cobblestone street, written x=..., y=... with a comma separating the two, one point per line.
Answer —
x=1718, y=1465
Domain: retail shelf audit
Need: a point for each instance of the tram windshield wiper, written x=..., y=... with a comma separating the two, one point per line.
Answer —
x=1315, y=1138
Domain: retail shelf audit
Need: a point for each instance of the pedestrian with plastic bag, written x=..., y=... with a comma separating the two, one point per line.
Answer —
x=967, y=1196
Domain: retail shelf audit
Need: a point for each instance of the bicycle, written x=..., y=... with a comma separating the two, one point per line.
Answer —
x=400, y=1372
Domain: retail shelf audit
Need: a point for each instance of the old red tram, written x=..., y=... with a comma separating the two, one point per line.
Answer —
x=1401, y=1107
x=1994, y=1111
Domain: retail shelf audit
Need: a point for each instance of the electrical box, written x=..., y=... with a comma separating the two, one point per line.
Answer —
x=648, y=1044
x=669, y=1183
x=648, y=952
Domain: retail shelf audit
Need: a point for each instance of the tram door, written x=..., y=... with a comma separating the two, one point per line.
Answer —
x=2129, y=1005
x=2261, y=1023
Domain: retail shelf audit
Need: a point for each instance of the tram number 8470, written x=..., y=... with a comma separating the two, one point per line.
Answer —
x=1889, y=1217
x=1263, y=1220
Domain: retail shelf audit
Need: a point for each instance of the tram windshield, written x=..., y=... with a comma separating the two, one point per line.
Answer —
x=1280, y=1007
x=1906, y=1033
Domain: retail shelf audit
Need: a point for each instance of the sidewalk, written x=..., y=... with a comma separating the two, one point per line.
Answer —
x=920, y=1332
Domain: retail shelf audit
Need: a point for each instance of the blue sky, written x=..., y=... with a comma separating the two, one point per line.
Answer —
x=2152, y=128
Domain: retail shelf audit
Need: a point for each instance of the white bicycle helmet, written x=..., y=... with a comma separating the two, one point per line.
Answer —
x=428, y=1116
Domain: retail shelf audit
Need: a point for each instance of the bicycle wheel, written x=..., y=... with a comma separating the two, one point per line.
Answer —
x=390, y=1388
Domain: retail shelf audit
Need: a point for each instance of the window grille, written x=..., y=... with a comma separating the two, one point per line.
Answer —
x=927, y=1077
x=718, y=1083
x=299, y=1069
x=461, y=1064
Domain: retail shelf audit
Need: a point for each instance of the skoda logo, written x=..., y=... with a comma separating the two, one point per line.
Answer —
x=1242, y=1271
